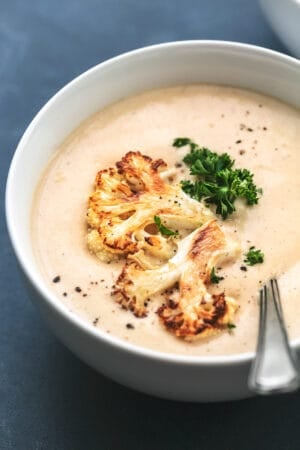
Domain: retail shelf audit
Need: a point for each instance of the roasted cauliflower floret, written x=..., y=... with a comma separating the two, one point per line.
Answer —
x=122, y=208
x=190, y=311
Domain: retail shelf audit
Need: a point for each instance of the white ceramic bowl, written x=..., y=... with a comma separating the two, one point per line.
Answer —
x=166, y=375
x=284, y=18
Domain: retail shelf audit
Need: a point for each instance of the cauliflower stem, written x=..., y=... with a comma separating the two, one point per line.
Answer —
x=193, y=312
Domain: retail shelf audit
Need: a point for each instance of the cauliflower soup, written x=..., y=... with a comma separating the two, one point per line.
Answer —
x=259, y=133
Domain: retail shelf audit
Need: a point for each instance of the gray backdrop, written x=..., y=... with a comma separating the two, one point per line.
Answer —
x=48, y=398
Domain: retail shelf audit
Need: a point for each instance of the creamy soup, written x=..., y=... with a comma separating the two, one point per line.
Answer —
x=260, y=133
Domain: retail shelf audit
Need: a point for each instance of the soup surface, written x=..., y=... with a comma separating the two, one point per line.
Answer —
x=260, y=133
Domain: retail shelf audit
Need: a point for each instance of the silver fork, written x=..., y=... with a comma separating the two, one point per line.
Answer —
x=275, y=367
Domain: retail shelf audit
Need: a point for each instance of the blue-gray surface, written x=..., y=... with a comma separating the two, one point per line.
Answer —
x=48, y=398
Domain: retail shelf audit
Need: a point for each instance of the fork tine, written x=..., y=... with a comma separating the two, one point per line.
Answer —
x=276, y=294
x=262, y=308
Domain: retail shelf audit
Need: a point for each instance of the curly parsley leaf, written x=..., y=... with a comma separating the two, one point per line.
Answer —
x=254, y=256
x=216, y=182
x=201, y=160
x=162, y=228
x=214, y=277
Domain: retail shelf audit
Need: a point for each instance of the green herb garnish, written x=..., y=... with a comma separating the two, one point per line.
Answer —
x=231, y=326
x=215, y=180
x=214, y=277
x=163, y=229
x=254, y=256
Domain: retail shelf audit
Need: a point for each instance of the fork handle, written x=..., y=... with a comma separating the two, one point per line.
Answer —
x=274, y=369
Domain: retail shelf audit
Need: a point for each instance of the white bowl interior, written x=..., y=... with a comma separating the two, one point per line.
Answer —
x=169, y=64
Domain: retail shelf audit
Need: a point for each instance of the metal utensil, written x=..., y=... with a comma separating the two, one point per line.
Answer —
x=275, y=367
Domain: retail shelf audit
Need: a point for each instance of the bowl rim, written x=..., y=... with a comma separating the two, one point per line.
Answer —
x=31, y=271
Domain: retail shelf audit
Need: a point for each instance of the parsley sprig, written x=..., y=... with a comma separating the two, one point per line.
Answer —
x=216, y=181
x=214, y=278
x=162, y=228
x=254, y=256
